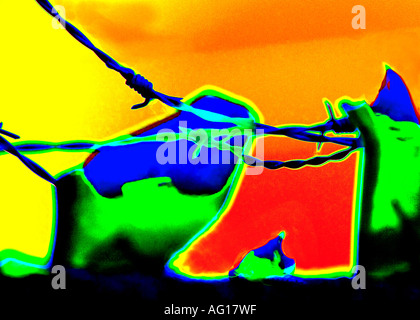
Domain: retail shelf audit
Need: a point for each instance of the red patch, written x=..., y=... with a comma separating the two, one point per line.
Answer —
x=155, y=124
x=90, y=158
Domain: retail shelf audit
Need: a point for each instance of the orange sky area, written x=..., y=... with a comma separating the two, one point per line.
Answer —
x=285, y=56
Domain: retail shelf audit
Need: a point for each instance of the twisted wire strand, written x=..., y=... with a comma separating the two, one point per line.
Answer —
x=135, y=81
x=298, y=164
x=47, y=147
x=304, y=134
x=34, y=167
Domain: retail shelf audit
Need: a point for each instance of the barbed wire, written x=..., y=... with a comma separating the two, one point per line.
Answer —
x=298, y=164
x=34, y=167
x=315, y=133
